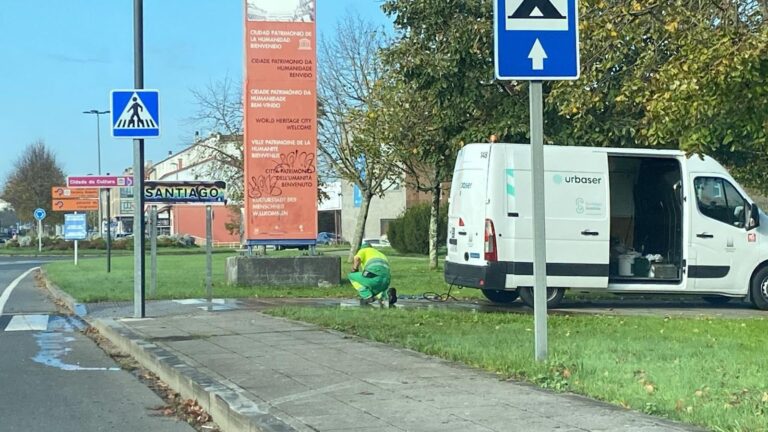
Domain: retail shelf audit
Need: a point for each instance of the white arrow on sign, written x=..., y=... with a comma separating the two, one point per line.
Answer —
x=537, y=55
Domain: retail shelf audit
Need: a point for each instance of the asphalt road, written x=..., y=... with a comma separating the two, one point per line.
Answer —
x=54, y=378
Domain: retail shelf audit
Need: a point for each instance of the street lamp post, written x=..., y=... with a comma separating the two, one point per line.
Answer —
x=98, y=150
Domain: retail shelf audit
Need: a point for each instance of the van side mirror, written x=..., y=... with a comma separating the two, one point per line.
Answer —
x=752, y=218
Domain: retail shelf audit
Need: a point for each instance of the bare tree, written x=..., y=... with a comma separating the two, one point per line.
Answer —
x=220, y=115
x=350, y=68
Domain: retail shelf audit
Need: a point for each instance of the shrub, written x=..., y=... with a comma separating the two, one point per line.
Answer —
x=410, y=232
x=98, y=243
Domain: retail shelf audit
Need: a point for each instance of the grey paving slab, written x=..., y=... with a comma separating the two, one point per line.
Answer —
x=297, y=377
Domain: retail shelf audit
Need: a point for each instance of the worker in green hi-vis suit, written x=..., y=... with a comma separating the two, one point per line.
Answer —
x=371, y=276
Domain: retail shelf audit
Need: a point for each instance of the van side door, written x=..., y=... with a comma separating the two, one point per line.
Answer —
x=717, y=234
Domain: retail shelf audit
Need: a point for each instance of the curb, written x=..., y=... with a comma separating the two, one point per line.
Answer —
x=230, y=409
x=79, y=309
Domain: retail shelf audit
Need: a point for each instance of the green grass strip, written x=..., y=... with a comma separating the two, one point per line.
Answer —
x=708, y=372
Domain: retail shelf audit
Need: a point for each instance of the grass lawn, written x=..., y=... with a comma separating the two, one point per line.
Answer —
x=709, y=372
x=32, y=251
x=183, y=276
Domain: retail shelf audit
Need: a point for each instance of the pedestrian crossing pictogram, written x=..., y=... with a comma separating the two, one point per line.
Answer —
x=135, y=114
x=537, y=15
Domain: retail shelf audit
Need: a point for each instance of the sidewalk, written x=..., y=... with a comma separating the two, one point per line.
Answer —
x=254, y=372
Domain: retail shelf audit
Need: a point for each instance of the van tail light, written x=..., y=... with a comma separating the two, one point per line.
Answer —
x=491, y=254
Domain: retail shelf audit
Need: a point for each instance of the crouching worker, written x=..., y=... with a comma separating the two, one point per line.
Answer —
x=370, y=276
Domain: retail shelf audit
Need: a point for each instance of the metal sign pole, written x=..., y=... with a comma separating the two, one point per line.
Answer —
x=539, y=222
x=109, y=233
x=138, y=168
x=75, y=253
x=153, y=251
x=39, y=235
x=209, y=256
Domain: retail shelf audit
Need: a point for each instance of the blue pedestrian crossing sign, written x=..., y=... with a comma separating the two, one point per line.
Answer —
x=135, y=113
x=536, y=39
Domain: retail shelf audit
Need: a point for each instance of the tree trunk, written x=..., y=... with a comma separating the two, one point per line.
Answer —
x=362, y=218
x=433, y=220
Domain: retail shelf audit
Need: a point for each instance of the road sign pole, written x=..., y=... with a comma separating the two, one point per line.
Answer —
x=138, y=168
x=209, y=256
x=75, y=253
x=39, y=235
x=153, y=251
x=539, y=221
x=109, y=233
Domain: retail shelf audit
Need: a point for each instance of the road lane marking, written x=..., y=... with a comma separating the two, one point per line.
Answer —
x=12, y=286
x=14, y=263
x=27, y=323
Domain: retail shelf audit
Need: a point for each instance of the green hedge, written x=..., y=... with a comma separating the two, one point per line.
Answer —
x=410, y=232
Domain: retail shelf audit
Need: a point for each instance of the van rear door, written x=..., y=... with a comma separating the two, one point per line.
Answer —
x=466, y=212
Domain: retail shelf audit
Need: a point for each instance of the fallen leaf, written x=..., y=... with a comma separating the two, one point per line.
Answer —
x=649, y=388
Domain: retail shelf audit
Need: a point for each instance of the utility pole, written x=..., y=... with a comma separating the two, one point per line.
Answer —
x=138, y=169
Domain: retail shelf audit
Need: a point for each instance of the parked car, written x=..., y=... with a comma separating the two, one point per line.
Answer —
x=327, y=238
x=299, y=247
x=377, y=242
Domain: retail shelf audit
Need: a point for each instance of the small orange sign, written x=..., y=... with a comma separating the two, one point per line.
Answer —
x=74, y=205
x=63, y=192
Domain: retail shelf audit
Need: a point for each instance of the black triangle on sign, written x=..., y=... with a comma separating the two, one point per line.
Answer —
x=545, y=8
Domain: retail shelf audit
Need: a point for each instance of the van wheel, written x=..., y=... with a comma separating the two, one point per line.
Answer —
x=554, y=296
x=498, y=296
x=716, y=299
x=759, y=289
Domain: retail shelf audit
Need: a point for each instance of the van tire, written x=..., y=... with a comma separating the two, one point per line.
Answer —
x=498, y=296
x=759, y=289
x=716, y=299
x=554, y=296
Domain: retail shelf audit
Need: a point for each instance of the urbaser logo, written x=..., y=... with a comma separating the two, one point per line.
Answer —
x=576, y=179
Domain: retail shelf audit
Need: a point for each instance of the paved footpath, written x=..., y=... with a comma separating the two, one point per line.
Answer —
x=254, y=372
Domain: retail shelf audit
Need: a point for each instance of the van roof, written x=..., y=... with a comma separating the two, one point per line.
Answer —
x=695, y=164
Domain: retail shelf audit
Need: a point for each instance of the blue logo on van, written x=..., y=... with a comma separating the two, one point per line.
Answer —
x=474, y=255
x=558, y=178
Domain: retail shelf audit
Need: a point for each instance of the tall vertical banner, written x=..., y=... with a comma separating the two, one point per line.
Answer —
x=280, y=115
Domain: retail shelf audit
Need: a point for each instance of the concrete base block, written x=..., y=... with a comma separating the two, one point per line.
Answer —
x=303, y=271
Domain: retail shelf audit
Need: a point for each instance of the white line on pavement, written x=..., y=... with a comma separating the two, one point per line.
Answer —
x=27, y=323
x=12, y=286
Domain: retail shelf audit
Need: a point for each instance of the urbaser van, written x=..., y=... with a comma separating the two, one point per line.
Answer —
x=617, y=220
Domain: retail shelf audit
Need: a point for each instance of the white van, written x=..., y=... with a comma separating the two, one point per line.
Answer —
x=617, y=220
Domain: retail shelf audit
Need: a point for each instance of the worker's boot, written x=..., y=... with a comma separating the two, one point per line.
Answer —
x=392, y=296
x=367, y=301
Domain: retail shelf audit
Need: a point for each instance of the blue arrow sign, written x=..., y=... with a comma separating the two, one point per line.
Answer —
x=135, y=113
x=536, y=39
x=39, y=214
x=75, y=227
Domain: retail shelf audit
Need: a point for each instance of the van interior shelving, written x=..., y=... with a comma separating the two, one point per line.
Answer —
x=646, y=210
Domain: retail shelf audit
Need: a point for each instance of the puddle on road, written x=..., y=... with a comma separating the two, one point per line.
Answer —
x=54, y=345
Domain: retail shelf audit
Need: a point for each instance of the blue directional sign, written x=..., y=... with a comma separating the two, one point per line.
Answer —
x=39, y=214
x=135, y=113
x=536, y=39
x=75, y=227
